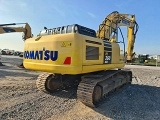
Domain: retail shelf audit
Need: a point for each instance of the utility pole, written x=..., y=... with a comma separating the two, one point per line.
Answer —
x=156, y=60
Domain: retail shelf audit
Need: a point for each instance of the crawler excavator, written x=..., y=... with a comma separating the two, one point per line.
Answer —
x=5, y=28
x=75, y=55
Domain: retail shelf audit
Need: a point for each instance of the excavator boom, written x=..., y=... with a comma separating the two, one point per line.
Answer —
x=108, y=30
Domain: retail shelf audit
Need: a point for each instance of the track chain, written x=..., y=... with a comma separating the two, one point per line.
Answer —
x=86, y=87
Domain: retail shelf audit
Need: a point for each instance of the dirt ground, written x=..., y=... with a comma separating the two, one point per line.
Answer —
x=20, y=100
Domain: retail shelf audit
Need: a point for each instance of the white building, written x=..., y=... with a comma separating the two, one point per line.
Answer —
x=154, y=57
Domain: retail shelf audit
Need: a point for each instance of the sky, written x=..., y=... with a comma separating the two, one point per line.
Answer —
x=88, y=13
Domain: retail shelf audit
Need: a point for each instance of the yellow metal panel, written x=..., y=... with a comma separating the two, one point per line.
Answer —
x=71, y=49
x=71, y=45
x=115, y=53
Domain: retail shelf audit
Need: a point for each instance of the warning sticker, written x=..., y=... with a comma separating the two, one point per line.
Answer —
x=66, y=44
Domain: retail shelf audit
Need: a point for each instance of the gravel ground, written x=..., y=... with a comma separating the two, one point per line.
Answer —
x=14, y=60
x=20, y=100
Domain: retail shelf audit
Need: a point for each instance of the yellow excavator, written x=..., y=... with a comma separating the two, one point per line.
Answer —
x=75, y=55
x=6, y=28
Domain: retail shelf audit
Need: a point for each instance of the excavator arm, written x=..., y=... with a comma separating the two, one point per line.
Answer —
x=4, y=28
x=26, y=29
x=108, y=30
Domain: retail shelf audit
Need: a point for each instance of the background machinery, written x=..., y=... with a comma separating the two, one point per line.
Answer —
x=143, y=58
x=75, y=55
x=6, y=28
